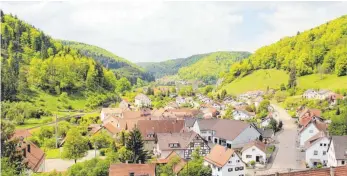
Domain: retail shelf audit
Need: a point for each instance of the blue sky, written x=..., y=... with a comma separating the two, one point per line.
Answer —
x=157, y=30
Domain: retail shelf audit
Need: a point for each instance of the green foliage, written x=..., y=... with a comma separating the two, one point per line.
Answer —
x=135, y=145
x=280, y=96
x=186, y=91
x=211, y=66
x=75, y=146
x=96, y=99
x=11, y=158
x=102, y=140
x=196, y=166
x=120, y=66
x=169, y=67
x=20, y=111
x=228, y=113
x=323, y=46
x=91, y=167
x=167, y=169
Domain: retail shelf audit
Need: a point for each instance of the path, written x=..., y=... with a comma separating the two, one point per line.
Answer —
x=288, y=157
x=63, y=165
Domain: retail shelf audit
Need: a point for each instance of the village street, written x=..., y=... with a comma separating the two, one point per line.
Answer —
x=288, y=157
x=63, y=165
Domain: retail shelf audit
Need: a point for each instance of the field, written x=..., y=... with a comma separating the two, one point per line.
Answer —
x=261, y=79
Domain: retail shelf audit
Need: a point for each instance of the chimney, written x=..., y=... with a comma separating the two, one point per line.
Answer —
x=140, y=162
x=28, y=148
x=332, y=171
x=126, y=162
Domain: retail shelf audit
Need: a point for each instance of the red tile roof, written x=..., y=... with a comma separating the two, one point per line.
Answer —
x=177, y=167
x=21, y=133
x=123, y=169
x=159, y=126
x=307, y=114
x=260, y=145
x=219, y=155
x=33, y=155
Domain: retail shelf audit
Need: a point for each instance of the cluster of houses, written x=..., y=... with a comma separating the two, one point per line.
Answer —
x=329, y=95
x=177, y=132
x=313, y=138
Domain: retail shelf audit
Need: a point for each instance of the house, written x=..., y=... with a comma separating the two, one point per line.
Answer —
x=150, y=128
x=177, y=167
x=240, y=114
x=316, y=150
x=110, y=112
x=320, y=95
x=189, y=123
x=94, y=129
x=334, y=97
x=114, y=125
x=306, y=115
x=337, y=151
x=250, y=95
x=332, y=171
x=267, y=135
x=125, y=105
x=182, y=143
x=171, y=105
x=181, y=101
x=312, y=128
x=266, y=121
x=254, y=151
x=210, y=113
x=224, y=162
x=310, y=94
x=257, y=101
x=125, y=169
x=225, y=132
x=181, y=113
x=21, y=134
x=32, y=154
x=218, y=106
x=141, y=100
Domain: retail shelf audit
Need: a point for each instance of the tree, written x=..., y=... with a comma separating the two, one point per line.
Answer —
x=135, y=144
x=124, y=154
x=337, y=127
x=123, y=85
x=337, y=111
x=76, y=146
x=11, y=158
x=292, y=77
x=273, y=125
x=223, y=94
x=196, y=166
x=228, y=113
x=167, y=169
x=102, y=140
x=91, y=167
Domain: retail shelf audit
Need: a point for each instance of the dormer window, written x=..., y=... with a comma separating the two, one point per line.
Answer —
x=174, y=145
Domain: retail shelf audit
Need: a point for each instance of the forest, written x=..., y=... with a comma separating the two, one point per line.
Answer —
x=322, y=49
x=121, y=67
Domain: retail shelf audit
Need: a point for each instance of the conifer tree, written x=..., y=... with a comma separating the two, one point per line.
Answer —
x=135, y=144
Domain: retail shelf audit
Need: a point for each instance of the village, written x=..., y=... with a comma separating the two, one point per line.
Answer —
x=238, y=145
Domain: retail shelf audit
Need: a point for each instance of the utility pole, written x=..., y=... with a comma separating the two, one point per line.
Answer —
x=56, y=130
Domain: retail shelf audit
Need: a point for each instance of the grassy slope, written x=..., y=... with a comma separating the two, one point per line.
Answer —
x=51, y=103
x=261, y=79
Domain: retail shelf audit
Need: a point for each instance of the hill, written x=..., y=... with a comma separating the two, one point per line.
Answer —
x=169, y=67
x=210, y=66
x=120, y=66
x=322, y=49
x=272, y=78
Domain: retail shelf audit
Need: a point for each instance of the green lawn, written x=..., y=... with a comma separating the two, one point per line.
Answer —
x=52, y=153
x=261, y=79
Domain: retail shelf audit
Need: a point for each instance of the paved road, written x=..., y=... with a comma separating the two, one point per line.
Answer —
x=288, y=157
x=63, y=165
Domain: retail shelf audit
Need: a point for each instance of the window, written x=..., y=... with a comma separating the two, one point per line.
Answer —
x=324, y=152
x=218, y=168
x=236, y=168
x=315, y=152
x=237, y=161
x=311, y=131
x=241, y=175
x=325, y=144
x=248, y=156
x=241, y=168
x=229, y=162
x=321, y=144
x=253, y=150
x=230, y=169
x=343, y=162
x=232, y=155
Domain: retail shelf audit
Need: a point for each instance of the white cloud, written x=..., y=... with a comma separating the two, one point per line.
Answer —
x=156, y=30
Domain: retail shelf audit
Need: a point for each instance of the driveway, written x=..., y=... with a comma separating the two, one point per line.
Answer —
x=63, y=165
x=288, y=157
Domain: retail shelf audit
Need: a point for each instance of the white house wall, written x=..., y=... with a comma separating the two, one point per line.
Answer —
x=233, y=162
x=254, y=152
x=307, y=133
x=320, y=149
